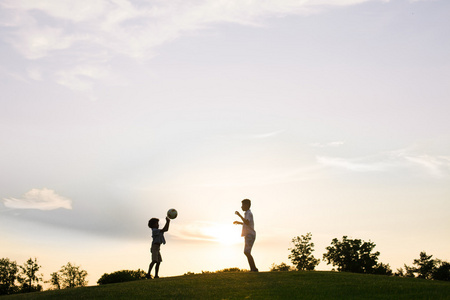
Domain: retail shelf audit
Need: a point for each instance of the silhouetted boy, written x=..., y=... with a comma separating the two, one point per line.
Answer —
x=158, y=239
x=248, y=232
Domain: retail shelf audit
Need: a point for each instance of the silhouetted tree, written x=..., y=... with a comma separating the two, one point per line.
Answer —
x=382, y=269
x=55, y=280
x=281, y=268
x=69, y=276
x=8, y=276
x=352, y=255
x=409, y=271
x=28, y=276
x=425, y=265
x=399, y=272
x=301, y=254
x=441, y=271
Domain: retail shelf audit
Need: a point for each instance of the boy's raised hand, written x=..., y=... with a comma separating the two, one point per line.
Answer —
x=238, y=213
x=237, y=223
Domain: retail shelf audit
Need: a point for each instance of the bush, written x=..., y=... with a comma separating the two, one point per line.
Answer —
x=382, y=269
x=442, y=272
x=283, y=267
x=189, y=273
x=228, y=270
x=121, y=276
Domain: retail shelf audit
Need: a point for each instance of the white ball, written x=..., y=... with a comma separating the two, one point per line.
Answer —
x=172, y=213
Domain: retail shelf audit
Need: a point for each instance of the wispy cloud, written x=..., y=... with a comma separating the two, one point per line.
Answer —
x=82, y=29
x=326, y=145
x=358, y=165
x=41, y=199
x=411, y=158
x=438, y=166
x=81, y=77
x=259, y=177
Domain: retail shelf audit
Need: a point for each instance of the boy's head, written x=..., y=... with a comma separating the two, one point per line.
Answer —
x=246, y=203
x=153, y=223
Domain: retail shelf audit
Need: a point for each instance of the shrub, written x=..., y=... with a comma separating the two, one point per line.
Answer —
x=121, y=276
x=382, y=269
x=228, y=270
x=283, y=267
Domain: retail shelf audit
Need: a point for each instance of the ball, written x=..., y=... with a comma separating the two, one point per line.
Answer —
x=172, y=213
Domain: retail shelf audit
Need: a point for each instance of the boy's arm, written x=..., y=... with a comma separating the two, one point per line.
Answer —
x=245, y=221
x=166, y=227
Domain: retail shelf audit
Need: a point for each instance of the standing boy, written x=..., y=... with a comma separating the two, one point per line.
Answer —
x=158, y=239
x=248, y=232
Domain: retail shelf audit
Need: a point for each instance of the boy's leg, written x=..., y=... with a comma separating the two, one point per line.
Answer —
x=156, y=259
x=249, y=241
x=150, y=267
x=157, y=270
x=251, y=262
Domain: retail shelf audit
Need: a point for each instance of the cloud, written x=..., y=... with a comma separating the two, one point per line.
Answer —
x=74, y=31
x=326, y=145
x=438, y=166
x=256, y=177
x=81, y=77
x=357, y=165
x=412, y=159
x=266, y=135
x=41, y=199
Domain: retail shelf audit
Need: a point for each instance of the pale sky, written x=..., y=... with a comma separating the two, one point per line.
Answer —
x=331, y=116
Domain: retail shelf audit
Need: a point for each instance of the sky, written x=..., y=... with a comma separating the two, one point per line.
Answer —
x=331, y=116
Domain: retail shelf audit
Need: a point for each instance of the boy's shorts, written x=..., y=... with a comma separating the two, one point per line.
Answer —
x=156, y=255
x=249, y=241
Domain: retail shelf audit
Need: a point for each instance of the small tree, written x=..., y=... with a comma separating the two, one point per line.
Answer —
x=352, y=255
x=301, y=254
x=425, y=265
x=8, y=276
x=55, y=280
x=69, y=276
x=28, y=276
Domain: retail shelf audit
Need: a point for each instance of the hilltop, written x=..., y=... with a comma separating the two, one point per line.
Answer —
x=263, y=285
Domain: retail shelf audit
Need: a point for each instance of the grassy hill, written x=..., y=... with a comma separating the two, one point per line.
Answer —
x=263, y=285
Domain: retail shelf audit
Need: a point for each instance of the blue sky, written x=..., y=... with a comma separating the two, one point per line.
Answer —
x=332, y=116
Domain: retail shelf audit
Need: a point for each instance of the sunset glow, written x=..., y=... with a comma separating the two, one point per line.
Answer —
x=331, y=116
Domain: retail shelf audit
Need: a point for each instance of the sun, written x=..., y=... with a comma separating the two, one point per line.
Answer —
x=224, y=234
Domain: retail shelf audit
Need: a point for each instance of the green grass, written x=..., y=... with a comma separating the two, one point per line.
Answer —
x=263, y=285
